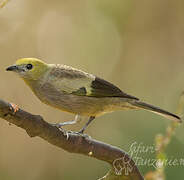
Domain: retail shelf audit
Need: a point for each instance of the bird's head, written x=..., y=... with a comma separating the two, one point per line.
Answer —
x=29, y=68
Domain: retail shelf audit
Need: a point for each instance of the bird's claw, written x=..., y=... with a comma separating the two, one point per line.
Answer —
x=65, y=132
x=82, y=134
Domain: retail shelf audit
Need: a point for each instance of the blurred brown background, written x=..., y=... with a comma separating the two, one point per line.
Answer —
x=137, y=45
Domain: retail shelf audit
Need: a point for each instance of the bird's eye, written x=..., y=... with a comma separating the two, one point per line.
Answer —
x=29, y=66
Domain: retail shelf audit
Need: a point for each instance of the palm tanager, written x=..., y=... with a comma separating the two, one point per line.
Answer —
x=77, y=92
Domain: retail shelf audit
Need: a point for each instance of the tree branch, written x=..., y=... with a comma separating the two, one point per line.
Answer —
x=123, y=167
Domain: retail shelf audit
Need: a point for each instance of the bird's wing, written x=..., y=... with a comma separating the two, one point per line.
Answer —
x=102, y=88
x=73, y=81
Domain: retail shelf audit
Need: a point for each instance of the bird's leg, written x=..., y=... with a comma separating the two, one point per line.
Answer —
x=59, y=125
x=86, y=125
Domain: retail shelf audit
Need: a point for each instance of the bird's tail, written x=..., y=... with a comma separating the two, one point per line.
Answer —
x=157, y=110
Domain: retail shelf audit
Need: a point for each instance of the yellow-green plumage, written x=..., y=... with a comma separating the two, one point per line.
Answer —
x=75, y=91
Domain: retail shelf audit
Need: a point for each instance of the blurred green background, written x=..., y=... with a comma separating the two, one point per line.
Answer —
x=137, y=45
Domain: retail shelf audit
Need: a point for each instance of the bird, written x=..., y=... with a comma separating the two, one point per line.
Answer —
x=78, y=92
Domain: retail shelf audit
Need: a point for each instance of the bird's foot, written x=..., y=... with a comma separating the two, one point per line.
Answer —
x=81, y=131
x=65, y=132
x=82, y=134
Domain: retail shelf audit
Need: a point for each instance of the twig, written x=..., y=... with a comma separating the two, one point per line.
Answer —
x=123, y=167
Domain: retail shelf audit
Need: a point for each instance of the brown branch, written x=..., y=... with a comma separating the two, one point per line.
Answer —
x=123, y=167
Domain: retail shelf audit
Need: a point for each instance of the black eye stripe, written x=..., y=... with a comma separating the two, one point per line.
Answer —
x=29, y=66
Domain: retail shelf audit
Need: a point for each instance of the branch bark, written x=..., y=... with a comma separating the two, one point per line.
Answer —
x=123, y=167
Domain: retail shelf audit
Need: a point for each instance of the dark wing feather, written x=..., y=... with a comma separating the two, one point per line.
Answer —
x=80, y=83
x=102, y=88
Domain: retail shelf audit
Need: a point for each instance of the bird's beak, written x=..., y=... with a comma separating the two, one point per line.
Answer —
x=12, y=68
